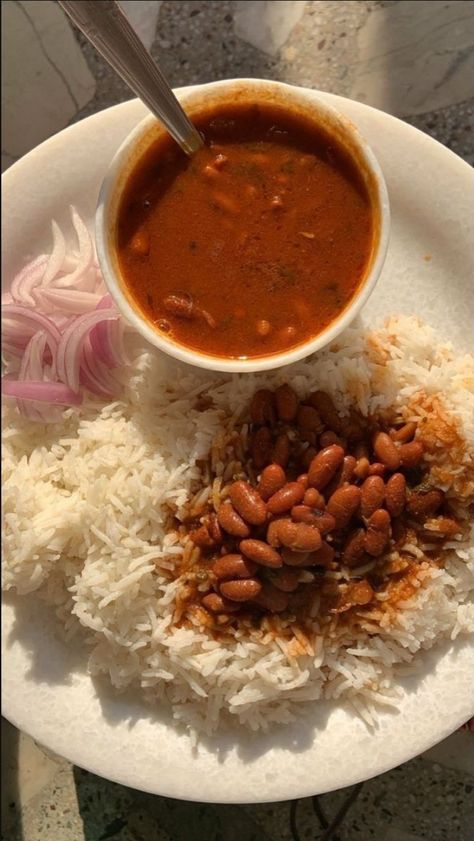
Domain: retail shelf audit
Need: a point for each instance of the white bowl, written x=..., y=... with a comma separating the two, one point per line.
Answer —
x=149, y=129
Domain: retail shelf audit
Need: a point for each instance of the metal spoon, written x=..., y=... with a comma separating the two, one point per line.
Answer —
x=108, y=29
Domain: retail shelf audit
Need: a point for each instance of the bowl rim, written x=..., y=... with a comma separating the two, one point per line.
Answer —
x=303, y=97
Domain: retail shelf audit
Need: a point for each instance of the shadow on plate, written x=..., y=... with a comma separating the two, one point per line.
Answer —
x=56, y=662
x=38, y=632
x=296, y=736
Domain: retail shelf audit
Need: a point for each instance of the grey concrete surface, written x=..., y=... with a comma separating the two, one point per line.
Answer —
x=411, y=59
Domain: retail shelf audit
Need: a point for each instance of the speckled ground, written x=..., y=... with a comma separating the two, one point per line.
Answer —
x=414, y=60
x=428, y=799
x=195, y=42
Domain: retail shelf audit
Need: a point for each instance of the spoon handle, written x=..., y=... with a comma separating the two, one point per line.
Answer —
x=108, y=29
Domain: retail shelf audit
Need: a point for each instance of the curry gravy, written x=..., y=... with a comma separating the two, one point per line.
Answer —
x=252, y=246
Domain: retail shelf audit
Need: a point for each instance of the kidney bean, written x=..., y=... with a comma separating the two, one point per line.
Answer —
x=140, y=243
x=286, y=579
x=444, y=527
x=263, y=327
x=411, y=454
x=303, y=480
x=361, y=470
x=282, y=450
x=271, y=598
x=343, y=504
x=261, y=553
x=273, y=538
x=214, y=528
x=286, y=403
x=295, y=559
x=201, y=537
x=231, y=521
x=262, y=407
x=343, y=475
x=308, y=456
x=348, y=467
x=233, y=566
x=328, y=438
x=314, y=499
x=323, y=556
x=240, y=591
x=216, y=604
x=395, y=494
x=386, y=451
x=377, y=469
x=404, y=434
x=360, y=593
x=372, y=495
x=262, y=447
x=309, y=424
x=324, y=522
x=324, y=466
x=272, y=479
x=180, y=305
x=299, y=536
x=422, y=505
x=248, y=502
x=354, y=547
x=303, y=514
x=284, y=499
x=378, y=532
x=326, y=410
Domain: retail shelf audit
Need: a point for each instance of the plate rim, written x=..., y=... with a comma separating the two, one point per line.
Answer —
x=462, y=168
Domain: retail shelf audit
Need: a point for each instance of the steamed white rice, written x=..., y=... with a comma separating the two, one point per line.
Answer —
x=86, y=505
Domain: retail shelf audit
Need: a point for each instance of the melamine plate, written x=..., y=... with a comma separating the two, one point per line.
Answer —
x=46, y=692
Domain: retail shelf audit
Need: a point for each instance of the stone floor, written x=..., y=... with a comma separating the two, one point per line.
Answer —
x=412, y=59
x=44, y=798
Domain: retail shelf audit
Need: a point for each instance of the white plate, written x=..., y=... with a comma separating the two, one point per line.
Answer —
x=429, y=272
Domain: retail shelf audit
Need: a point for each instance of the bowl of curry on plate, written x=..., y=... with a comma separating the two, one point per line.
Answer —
x=261, y=247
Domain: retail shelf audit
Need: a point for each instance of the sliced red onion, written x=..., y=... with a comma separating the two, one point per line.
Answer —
x=13, y=332
x=58, y=254
x=40, y=390
x=29, y=277
x=94, y=375
x=13, y=349
x=69, y=350
x=81, y=278
x=32, y=369
x=77, y=342
x=68, y=300
x=33, y=319
x=34, y=356
x=107, y=339
x=106, y=302
x=61, y=320
x=89, y=381
x=27, y=409
x=69, y=265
